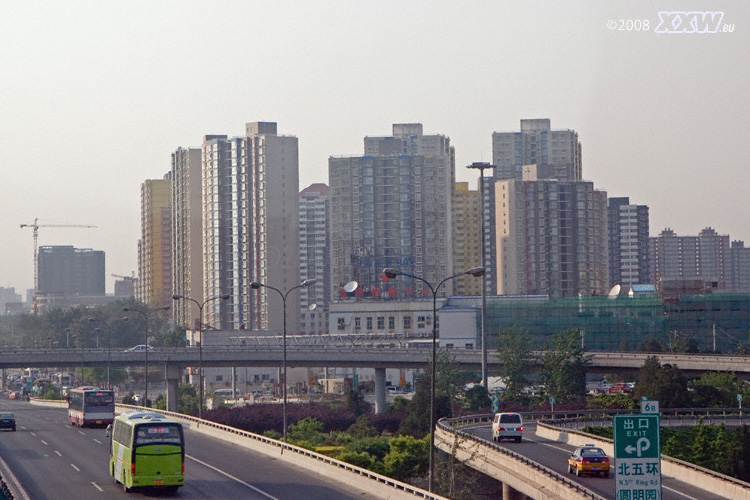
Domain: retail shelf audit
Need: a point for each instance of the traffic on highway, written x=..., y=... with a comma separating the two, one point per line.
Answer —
x=52, y=460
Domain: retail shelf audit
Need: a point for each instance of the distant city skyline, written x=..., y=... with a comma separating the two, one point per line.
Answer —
x=96, y=99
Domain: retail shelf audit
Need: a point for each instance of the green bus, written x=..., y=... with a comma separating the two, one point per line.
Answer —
x=146, y=450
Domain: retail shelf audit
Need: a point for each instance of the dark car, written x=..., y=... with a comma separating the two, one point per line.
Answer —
x=7, y=421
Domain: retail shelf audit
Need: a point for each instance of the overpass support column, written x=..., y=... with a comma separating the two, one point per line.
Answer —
x=511, y=494
x=379, y=390
x=173, y=374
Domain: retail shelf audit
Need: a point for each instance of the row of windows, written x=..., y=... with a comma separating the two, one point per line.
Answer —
x=379, y=322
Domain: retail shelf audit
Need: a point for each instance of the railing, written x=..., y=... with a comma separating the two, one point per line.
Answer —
x=679, y=469
x=450, y=425
x=302, y=452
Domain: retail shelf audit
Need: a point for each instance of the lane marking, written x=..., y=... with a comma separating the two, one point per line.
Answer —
x=32, y=433
x=81, y=432
x=76, y=468
x=233, y=478
x=44, y=442
x=568, y=451
x=97, y=486
x=98, y=441
x=58, y=453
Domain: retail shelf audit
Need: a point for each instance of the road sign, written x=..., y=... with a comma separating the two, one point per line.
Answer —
x=495, y=403
x=649, y=406
x=637, y=457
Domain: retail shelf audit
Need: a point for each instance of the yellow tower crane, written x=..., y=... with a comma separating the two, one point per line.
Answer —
x=35, y=226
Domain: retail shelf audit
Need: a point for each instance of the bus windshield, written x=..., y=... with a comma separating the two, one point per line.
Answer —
x=99, y=398
x=158, y=433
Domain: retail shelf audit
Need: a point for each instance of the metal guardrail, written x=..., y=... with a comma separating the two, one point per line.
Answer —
x=449, y=425
x=577, y=423
x=285, y=447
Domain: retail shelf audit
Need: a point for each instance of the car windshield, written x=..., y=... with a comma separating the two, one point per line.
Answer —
x=6, y=415
x=510, y=419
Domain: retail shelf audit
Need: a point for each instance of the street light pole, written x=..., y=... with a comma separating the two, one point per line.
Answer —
x=481, y=166
x=256, y=285
x=109, y=343
x=82, y=338
x=200, y=343
x=145, y=315
x=391, y=273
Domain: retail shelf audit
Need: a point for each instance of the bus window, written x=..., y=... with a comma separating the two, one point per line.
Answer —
x=155, y=433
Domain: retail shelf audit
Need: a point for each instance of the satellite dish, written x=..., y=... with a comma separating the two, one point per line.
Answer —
x=312, y=307
x=351, y=286
x=614, y=292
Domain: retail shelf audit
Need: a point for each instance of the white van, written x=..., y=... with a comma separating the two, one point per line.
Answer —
x=507, y=426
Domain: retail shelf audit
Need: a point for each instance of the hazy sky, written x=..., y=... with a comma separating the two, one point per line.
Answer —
x=95, y=96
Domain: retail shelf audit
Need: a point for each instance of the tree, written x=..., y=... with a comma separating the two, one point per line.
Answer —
x=307, y=433
x=716, y=389
x=565, y=363
x=665, y=384
x=515, y=358
x=477, y=398
x=408, y=457
x=650, y=344
x=447, y=388
x=175, y=337
x=355, y=401
x=362, y=428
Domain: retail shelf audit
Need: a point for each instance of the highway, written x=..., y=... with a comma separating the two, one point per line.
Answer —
x=54, y=460
x=555, y=456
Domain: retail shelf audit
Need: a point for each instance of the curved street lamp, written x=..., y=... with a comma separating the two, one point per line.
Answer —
x=109, y=341
x=145, y=315
x=256, y=285
x=391, y=273
x=482, y=166
x=200, y=342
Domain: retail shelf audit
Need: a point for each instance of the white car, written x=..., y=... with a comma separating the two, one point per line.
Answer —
x=507, y=426
x=140, y=348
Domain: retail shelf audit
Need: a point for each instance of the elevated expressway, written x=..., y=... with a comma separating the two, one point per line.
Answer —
x=377, y=354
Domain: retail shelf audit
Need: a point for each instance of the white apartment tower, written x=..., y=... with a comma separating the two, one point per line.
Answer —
x=314, y=258
x=392, y=207
x=251, y=228
x=187, y=233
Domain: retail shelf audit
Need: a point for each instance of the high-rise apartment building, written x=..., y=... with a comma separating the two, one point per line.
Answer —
x=67, y=271
x=393, y=207
x=314, y=258
x=154, y=285
x=187, y=232
x=467, y=238
x=705, y=257
x=740, y=267
x=557, y=153
x=251, y=228
x=551, y=238
x=628, y=242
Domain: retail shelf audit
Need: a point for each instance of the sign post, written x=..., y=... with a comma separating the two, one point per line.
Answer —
x=637, y=457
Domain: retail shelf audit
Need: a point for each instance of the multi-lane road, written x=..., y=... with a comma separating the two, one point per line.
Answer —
x=53, y=460
x=554, y=455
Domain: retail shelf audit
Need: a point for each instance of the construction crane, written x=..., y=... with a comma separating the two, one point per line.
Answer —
x=35, y=226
